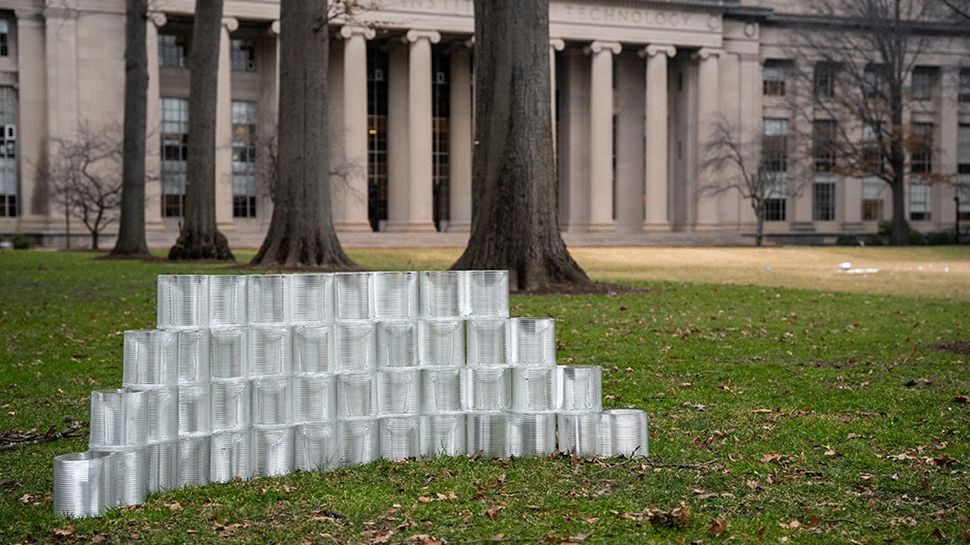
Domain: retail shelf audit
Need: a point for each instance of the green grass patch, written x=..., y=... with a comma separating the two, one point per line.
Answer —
x=801, y=415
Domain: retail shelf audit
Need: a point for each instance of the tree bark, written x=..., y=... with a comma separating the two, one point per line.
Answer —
x=301, y=232
x=131, y=225
x=200, y=238
x=514, y=221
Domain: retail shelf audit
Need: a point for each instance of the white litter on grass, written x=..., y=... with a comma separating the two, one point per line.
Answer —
x=846, y=267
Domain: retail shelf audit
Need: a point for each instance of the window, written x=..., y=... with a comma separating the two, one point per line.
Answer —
x=775, y=144
x=242, y=54
x=774, y=73
x=964, y=87
x=440, y=102
x=823, y=145
x=963, y=171
x=4, y=38
x=872, y=191
x=823, y=198
x=776, y=198
x=376, y=136
x=172, y=51
x=919, y=202
x=925, y=82
x=243, y=159
x=175, y=148
x=824, y=80
x=872, y=159
x=9, y=179
x=921, y=155
x=874, y=80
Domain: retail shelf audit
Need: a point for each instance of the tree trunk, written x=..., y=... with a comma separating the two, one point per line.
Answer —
x=514, y=221
x=899, y=236
x=94, y=240
x=199, y=237
x=759, y=236
x=301, y=231
x=131, y=226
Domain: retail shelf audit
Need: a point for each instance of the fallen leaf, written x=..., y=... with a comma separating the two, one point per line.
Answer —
x=174, y=506
x=771, y=457
x=66, y=531
x=762, y=411
x=751, y=484
x=492, y=512
x=793, y=525
x=962, y=399
x=717, y=527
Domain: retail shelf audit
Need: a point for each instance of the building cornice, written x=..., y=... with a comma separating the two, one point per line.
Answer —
x=831, y=22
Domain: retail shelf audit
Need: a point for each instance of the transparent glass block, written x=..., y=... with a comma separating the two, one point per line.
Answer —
x=397, y=343
x=128, y=476
x=162, y=466
x=194, y=409
x=161, y=414
x=272, y=450
x=579, y=434
x=313, y=349
x=623, y=432
x=581, y=388
x=487, y=293
x=442, y=390
x=270, y=351
x=489, y=388
x=488, y=342
x=533, y=341
x=311, y=298
x=317, y=447
x=355, y=346
x=315, y=398
x=227, y=300
x=193, y=356
x=488, y=434
x=150, y=358
x=227, y=352
x=266, y=301
x=183, y=301
x=440, y=294
x=400, y=437
x=230, y=456
x=272, y=401
x=118, y=419
x=534, y=389
x=532, y=434
x=356, y=395
x=399, y=392
x=441, y=343
x=352, y=296
x=81, y=484
x=443, y=435
x=395, y=295
x=230, y=405
x=359, y=441
x=193, y=460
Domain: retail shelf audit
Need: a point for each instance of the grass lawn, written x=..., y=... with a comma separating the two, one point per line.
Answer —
x=815, y=414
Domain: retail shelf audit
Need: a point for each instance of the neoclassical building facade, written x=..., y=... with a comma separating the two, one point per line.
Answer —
x=637, y=86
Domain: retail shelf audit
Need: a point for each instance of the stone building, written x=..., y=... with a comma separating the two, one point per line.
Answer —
x=636, y=85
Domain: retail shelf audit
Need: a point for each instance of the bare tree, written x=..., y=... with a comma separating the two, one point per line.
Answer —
x=763, y=169
x=199, y=237
x=961, y=8
x=514, y=221
x=301, y=231
x=855, y=59
x=131, y=226
x=83, y=177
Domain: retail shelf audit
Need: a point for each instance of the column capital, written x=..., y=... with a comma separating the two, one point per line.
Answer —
x=653, y=50
x=349, y=31
x=157, y=18
x=413, y=36
x=30, y=17
x=461, y=45
x=598, y=47
x=557, y=44
x=705, y=53
x=230, y=23
x=274, y=27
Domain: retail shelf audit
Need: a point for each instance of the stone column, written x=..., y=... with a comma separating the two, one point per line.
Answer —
x=224, y=129
x=31, y=120
x=153, y=125
x=268, y=117
x=460, y=140
x=601, y=135
x=352, y=191
x=947, y=128
x=555, y=44
x=62, y=114
x=397, y=136
x=419, y=134
x=708, y=95
x=629, y=175
x=655, y=195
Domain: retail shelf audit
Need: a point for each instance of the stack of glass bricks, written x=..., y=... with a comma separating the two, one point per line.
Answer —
x=268, y=374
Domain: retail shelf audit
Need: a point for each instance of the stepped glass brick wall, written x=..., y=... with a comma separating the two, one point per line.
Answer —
x=267, y=374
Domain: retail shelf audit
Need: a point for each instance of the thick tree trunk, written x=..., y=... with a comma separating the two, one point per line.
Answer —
x=514, y=221
x=301, y=232
x=899, y=235
x=200, y=238
x=94, y=240
x=759, y=227
x=131, y=226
